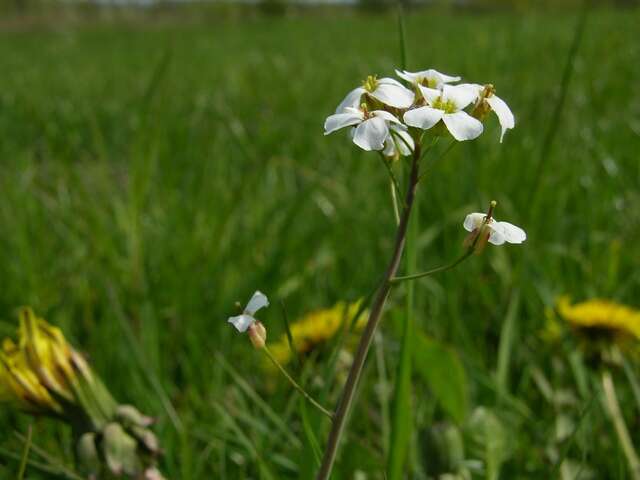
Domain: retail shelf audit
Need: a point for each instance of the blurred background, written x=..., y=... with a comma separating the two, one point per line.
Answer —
x=160, y=161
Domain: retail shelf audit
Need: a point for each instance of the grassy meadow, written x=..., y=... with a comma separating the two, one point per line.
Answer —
x=153, y=174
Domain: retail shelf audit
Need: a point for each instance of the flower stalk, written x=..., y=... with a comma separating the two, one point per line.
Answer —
x=295, y=384
x=613, y=407
x=377, y=308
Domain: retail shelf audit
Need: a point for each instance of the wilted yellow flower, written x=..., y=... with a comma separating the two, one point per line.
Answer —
x=42, y=374
x=34, y=373
x=316, y=328
x=601, y=318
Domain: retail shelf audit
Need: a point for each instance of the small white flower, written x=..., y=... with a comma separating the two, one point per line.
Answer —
x=446, y=105
x=243, y=322
x=503, y=112
x=398, y=142
x=386, y=90
x=499, y=232
x=428, y=78
x=372, y=127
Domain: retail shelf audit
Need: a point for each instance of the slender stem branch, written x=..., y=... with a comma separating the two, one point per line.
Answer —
x=377, y=307
x=25, y=453
x=613, y=407
x=295, y=384
x=443, y=268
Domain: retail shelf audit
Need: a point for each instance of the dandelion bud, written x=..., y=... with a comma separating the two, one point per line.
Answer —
x=258, y=335
x=130, y=415
x=119, y=450
x=88, y=457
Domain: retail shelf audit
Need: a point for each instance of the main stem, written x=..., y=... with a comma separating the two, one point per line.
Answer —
x=377, y=307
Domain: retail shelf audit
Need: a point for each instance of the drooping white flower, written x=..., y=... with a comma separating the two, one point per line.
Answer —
x=447, y=105
x=486, y=99
x=427, y=78
x=371, y=128
x=499, y=232
x=386, y=90
x=398, y=142
x=243, y=322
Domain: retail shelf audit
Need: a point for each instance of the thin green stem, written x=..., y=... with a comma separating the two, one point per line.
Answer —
x=613, y=407
x=295, y=384
x=25, y=453
x=442, y=155
x=377, y=307
x=443, y=268
x=395, y=187
x=554, y=123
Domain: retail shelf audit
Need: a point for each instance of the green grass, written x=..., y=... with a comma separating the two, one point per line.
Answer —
x=152, y=175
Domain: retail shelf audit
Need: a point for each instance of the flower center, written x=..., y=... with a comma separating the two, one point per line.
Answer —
x=448, y=105
x=371, y=83
x=429, y=82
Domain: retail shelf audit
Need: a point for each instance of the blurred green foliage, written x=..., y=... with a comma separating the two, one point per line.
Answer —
x=154, y=173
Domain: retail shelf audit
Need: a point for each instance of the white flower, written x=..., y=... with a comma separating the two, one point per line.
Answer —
x=398, y=142
x=487, y=94
x=428, y=78
x=499, y=232
x=243, y=322
x=386, y=90
x=446, y=105
x=372, y=127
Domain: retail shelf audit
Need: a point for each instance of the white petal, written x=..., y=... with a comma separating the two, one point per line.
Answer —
x=393, y=95
x=389, y=117
x=389, y=147
x=423, y=117
x=461, y=96
x=258, y=301
x=340, y=120
x=496, y=236
x=473, y=221
x=408, y=76
x=430, y=94
x=511, y=233
x=351, y=100
x=505, y=116
x=462, y=126
x=474, y=88
x=389, y=81
x=371, y=134
x=405, y=143
x=444, y=78
x=242, y=322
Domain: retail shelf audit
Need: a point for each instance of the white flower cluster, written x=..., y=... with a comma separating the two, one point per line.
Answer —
x=382, y=110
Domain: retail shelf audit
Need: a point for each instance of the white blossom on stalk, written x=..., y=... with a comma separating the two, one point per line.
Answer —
x=386, y=90
x=447, y=105
x=486, y=100
x=499, y=232
x=427, y=78
x=246, y=320
x=371, y=129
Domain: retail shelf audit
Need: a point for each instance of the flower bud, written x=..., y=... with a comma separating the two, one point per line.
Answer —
x=119, y=450
x=258, y=335
x=88, y=457
x=482, y=108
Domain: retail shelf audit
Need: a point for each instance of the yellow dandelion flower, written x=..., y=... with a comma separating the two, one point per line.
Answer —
x=600, y=318
x=316, y=328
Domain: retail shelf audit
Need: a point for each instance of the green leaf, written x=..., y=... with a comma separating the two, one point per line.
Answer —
x=441, y=368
